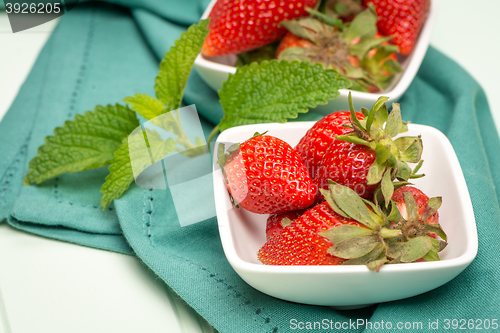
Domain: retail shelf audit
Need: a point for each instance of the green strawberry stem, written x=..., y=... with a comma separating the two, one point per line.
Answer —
x=377, y=244
x=378, y=131
x=389, y=233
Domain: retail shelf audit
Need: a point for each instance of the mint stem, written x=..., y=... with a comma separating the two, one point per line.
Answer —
x=211, y=136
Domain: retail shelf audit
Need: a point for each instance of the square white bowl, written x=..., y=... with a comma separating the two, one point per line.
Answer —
x=243, y=233
x=215, y=70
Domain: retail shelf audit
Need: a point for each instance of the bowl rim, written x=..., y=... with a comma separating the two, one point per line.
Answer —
x=414, y=60
x=241, y=265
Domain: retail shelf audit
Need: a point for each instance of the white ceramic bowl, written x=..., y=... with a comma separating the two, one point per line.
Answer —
x=216, y=70
x=242, y=234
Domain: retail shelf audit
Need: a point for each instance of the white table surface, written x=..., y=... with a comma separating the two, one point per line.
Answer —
x=51, y=286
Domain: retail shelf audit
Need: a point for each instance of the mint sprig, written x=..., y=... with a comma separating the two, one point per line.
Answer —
x=145, y=105
x=170, y=85
x=89, y=141
x=275, y=91
x=121, y=171
x=177, y=64
x=120, y=175
x=271, y=91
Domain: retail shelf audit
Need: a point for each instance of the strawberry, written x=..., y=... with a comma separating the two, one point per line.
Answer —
x=355, y=49
x=266, y=176
x=417, y=209
x=318, y=138
x=291, y=40
x=276, y=222
x=239, y=26
x=348, y=164
x=300, y=242
x=369, y=156
x=421, y=201
x=349, y=230
x=402, y=19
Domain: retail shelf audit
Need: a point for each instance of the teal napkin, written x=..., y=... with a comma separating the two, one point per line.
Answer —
x=100, y=53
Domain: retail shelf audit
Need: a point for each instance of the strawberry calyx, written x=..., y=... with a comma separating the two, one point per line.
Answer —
x=416, y=232
x=414, y=225
x=354, y=48
x=380, y=241
x=378, y=131
x=277, y=222
x=344, y=9
x=223, y=154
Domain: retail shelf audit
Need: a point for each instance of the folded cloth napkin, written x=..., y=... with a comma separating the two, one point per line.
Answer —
x=100, y=53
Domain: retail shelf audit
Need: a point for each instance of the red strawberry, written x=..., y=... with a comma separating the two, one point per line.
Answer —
x=424, y=209
x=276, y=222
x=402, y=19
x=355, y=50
x=291, y=40
x=349, y=230
x=370, y=156
x=420, y=198
x=265, y=175
x=239, y=26
x=348, y=164
x=318, y=138
x=300, y=244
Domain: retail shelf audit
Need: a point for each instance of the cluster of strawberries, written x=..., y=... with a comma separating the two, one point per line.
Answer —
x=357, y=38
x=342, y=195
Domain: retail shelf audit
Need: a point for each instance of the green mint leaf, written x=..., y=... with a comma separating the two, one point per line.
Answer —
x=177, y=64
x=89, y=141
x=147, y=106
x=159, y=147
x=169, y=122
x=120, y=176
x=121, y=172
x=274, y=91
